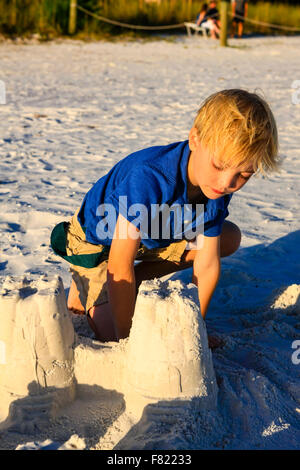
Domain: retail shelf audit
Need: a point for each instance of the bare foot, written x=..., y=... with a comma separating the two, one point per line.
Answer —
x=74, y=304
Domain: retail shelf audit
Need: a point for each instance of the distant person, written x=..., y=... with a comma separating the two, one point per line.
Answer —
x=201, y=14
x=213, y=12
x=208, y=18
x=239, y=13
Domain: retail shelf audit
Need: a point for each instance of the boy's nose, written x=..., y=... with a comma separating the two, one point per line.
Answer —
x=227, y=183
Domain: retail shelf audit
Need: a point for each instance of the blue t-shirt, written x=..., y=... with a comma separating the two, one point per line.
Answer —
x=143, y=187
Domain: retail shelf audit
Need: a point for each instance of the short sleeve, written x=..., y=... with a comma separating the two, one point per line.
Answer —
x=213, y=228
x=141, y=188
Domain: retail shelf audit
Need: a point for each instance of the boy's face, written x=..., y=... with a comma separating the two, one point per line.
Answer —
x=213, y=179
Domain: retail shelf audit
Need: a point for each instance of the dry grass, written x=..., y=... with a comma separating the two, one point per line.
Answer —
x=50, y=17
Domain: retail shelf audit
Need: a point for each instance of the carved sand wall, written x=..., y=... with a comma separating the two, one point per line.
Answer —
x=165, y=358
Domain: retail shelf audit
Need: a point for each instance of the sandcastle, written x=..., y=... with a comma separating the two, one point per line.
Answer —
x=43, y=361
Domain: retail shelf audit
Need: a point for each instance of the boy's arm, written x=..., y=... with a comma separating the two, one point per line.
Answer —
x=206, y=270
x=121, y=283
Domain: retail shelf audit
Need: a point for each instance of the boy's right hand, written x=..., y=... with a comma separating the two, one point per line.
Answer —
x=121, y=282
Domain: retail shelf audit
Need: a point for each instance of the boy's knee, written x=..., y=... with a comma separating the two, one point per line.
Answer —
x=230, y=238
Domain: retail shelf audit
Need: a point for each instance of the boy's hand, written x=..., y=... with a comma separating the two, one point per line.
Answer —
x=120, y=275
x=206, y=270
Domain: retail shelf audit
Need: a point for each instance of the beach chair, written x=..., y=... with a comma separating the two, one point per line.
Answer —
x=196, y=29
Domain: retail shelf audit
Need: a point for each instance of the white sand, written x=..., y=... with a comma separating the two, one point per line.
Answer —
x=72, y=111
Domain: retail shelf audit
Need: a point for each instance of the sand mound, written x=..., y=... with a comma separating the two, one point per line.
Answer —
x=289, y=298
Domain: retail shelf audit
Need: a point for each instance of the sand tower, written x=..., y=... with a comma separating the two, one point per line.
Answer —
x=168, y=357
x=36, y=348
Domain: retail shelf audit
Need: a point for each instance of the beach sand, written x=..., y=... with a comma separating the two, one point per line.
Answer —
x=73, y=110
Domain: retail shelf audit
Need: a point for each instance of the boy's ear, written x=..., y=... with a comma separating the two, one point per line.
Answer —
x=193, y=139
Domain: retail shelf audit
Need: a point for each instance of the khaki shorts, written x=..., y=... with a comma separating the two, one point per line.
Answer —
x=91, y=282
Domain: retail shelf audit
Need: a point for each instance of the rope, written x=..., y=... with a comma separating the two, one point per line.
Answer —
x=180, y=25
x=130, y=26
x=262, y=23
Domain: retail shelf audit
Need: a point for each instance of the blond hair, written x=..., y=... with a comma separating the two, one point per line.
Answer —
x=239, y=128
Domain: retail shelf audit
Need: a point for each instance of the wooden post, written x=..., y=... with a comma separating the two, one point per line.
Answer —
x=13, y=12
x=224, y=23
x=73, y=16
x=41, y=16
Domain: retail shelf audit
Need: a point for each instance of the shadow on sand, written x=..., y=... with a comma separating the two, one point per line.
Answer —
x=40, y=416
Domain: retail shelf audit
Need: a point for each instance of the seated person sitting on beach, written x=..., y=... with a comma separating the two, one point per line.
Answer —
x=208, y=18
x=201, y=14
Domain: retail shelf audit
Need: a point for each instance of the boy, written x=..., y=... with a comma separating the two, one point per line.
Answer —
x=234, y=136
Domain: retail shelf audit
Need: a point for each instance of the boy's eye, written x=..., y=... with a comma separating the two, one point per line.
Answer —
x=246, y=177
x=217, y=167
x=243, y=176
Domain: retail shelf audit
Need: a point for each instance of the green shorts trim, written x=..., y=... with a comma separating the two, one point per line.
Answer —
x=58, y=242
